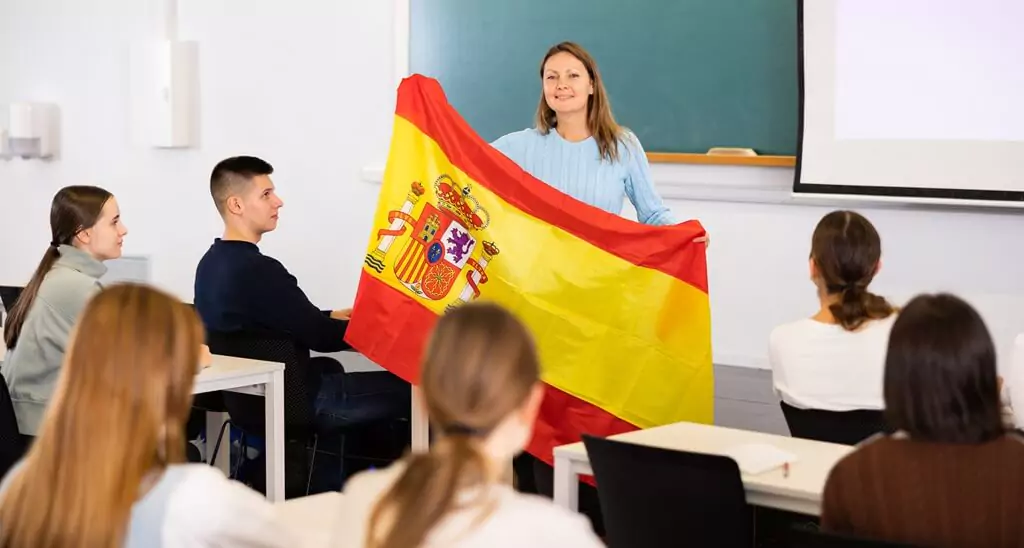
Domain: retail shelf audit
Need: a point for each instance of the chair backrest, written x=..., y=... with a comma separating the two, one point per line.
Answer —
x=800, y=537
x=11, y=442
x=300, y=381
x=845, y=427
x=9, y=295
x=655, y=497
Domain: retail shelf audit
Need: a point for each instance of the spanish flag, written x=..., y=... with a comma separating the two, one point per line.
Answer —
x=619, y=310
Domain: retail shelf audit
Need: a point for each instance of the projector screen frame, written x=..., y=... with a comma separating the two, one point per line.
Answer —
x=984, y=198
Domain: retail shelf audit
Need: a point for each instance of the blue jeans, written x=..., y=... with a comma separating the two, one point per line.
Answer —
x=347, y=399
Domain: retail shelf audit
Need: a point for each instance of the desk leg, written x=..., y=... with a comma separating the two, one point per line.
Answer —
x=274, y=405
x=214, y=421
x=567, y=491
x=420, y=427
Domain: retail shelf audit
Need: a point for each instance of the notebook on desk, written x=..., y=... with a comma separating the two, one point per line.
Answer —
x=757, y=458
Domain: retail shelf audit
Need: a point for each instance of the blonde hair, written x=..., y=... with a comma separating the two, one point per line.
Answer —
x=118, y=413
x=600, y=121
x=479, y=367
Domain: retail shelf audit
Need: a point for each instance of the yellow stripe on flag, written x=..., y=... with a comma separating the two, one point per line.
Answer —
x=629, y=339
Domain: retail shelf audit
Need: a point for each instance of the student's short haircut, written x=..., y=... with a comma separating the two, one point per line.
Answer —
x=230, y=176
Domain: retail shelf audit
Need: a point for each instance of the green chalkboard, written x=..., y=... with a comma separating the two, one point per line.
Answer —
x=685, y=75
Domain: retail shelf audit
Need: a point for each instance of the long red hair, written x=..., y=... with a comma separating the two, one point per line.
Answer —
x=118, y=413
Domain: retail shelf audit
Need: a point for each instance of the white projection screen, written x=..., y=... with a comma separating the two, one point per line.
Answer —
x=915, y=99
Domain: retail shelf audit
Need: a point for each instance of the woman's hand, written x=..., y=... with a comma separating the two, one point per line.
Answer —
x=343, y=314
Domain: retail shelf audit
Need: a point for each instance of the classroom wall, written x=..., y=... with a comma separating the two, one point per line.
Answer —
x=309, y=86
x=757, y=261
x=306, y=84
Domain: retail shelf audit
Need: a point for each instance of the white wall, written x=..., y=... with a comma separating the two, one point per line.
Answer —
x=306, y=84
x=761, y=239
x=309, y=85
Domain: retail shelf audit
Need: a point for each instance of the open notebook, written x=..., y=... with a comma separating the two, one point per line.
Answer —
x=757, y=458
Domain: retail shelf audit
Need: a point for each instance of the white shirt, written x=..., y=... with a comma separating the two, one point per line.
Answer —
x=206, y=509
x=823, y=366
x=517, y=520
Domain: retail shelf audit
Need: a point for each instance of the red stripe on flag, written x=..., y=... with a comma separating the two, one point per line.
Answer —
x=390, y=328
x=564, y=418
x=422, y=102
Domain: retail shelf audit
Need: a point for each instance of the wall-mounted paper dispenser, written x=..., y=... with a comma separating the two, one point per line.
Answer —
x=33, y=131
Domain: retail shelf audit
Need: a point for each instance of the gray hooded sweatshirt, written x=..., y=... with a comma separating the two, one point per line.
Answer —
x=32, y=367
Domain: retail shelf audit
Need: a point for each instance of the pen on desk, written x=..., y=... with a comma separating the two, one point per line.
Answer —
x=785, y=469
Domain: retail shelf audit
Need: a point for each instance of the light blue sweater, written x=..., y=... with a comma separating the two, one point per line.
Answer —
x=578, y=170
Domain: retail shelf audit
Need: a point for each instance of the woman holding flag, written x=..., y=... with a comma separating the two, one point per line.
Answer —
x=578, y=148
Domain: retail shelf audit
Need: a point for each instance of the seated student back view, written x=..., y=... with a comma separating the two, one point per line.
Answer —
x=108, y=469
x=481, y=384
x=834, y=360
x=951, y=474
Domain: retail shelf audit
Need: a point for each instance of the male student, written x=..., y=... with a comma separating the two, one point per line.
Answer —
x=239, y=288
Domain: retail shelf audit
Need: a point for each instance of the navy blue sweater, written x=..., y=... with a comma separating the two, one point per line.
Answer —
x=239, y=288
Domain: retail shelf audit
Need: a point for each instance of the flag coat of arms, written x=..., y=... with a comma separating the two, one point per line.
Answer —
x=619, y=310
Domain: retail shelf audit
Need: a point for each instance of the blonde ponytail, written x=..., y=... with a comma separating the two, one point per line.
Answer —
x=426, y=491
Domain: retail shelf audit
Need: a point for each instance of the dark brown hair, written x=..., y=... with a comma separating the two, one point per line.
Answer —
x=600, y=121
x=230, y=175
x=120, y=407
x=480, y=366
x=73, y=209
x=846, y=250
x=940, y=373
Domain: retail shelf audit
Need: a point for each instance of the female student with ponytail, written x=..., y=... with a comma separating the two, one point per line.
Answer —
x=835, y=359
x=950, y=473
x=480, y=382
x=86, y=229
x=107, y=469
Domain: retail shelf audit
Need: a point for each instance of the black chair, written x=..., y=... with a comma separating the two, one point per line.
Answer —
x=247, y=411
x=12, y=443
x=800, y=537
x=845, y=427
x=656, y=497
x=302, y=380
x=9, y=295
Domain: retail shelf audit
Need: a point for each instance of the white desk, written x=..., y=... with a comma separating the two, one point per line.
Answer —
x=800, y=492
x=250, y=377
x=311, y=519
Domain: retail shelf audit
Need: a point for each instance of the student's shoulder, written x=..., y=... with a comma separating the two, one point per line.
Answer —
x=205, y=508
x=204, y=498
x=864, y=456
x=1014, y=442
x=67, y=290
x=243, y=259
x=194, y=477
x=789, y=332
x=367, y=486
x=551, y=525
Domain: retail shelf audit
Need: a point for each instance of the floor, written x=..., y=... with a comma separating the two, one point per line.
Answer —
x=744, y=399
